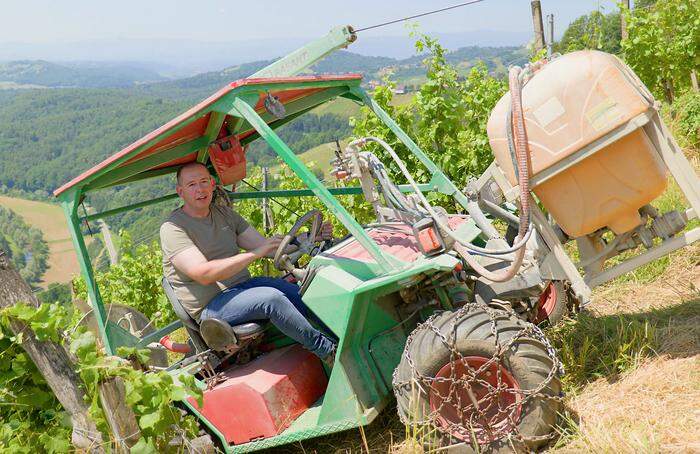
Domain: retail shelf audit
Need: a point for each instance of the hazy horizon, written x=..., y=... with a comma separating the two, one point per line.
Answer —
x=183, y=38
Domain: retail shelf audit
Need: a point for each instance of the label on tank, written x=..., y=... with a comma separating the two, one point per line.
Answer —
x=604, y=115
x=549, y=111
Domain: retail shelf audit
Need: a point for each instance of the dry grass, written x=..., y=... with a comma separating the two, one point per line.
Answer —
x=654, y=407
x=680, y=281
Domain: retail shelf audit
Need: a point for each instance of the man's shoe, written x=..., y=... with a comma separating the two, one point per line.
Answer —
x=217, y=334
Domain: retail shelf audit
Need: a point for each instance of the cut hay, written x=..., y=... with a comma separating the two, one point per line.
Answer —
x=655, y=408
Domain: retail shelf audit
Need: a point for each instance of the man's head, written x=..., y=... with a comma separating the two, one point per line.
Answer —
x=195, y=187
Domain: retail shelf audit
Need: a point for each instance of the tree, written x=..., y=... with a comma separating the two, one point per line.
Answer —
x=446, y=118
x=663, y=44
x=592, y=31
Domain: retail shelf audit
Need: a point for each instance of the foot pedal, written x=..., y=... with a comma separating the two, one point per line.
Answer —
x=217, y=334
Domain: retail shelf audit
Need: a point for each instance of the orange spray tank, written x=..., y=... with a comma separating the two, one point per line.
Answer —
x=592, y=163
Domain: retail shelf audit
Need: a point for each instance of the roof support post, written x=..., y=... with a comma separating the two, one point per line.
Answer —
x=309, y=54
x=439, y=179
x=241, y=108
x=69, y=202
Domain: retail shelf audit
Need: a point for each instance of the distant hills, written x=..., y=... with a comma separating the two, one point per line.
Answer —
x=50, y=135
x=44, y=74
x=408, y=70
x=177, y=58
x=30, y=74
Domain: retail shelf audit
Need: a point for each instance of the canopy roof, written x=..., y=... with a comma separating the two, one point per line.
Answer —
x=186, y=138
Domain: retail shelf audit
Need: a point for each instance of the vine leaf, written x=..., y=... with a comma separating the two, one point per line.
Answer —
x=143, y=446
x=149, y=420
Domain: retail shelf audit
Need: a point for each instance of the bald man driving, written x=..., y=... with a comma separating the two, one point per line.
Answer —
x=206, y=252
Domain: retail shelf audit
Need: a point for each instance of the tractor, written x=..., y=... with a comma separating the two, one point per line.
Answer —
x=430, y=307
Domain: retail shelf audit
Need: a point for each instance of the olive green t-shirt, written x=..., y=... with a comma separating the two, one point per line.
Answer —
x=216, y=237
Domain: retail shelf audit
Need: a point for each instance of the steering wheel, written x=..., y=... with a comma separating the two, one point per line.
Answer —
x=288, y=262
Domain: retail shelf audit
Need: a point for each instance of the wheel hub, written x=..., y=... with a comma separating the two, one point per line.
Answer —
x=475, y=397
x=546, y=303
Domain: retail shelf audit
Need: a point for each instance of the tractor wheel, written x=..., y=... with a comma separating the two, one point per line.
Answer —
x=552, y=306
x=479, y=379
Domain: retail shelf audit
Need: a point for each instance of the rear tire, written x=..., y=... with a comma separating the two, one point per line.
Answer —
x=517, y=390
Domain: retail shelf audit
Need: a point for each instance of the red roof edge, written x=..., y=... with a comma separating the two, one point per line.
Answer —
x=191, y=112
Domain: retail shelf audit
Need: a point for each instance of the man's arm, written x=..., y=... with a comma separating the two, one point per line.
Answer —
x=251, y=239
x=192, y=262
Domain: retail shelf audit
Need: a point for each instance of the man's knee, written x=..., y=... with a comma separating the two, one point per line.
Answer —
x=273, y=300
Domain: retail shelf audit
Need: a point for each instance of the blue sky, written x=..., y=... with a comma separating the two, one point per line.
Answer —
x=45, y=21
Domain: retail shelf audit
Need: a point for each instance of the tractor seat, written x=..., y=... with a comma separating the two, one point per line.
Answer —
x=242, y=331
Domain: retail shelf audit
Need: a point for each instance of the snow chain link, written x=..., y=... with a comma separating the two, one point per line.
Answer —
x=478, y=419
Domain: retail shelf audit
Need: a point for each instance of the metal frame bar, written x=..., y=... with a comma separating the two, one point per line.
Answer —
x=386, y=262
x=647, y=256
x=285, y=193
x=675, y=161
x=438, y=178
x=113, y=165
x=134, y=168
x=216, y=121
x=69, y=202
x=304, y=57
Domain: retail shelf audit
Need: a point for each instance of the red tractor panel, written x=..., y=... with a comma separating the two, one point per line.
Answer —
x=263, y=397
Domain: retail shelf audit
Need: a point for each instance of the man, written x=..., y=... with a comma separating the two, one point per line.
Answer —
x=203, y=261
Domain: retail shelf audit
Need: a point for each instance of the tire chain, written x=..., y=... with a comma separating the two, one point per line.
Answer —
x=481, y=421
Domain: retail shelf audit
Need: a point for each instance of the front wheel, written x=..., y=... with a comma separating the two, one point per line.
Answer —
x=479, y=378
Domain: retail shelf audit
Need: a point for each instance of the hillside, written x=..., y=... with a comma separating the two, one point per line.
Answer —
x=48, y=136
x=496, y=58
x=39, y=73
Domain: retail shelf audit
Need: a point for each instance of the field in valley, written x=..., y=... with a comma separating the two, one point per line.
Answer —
x=62, y=263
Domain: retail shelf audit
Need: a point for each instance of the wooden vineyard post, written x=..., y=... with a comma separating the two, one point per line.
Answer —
x=121, y=419
x=537, y=24
x=51, y=360
x=623, y=23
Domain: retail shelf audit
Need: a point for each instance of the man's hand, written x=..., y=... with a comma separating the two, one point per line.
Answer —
x=269, y=247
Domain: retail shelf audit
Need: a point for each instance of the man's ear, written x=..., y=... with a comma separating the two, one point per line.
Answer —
x=213, y=183
x=178, y=189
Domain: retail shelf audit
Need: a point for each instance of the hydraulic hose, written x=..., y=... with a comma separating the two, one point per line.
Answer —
x=517, y=245
x=523, y=157
x=516, y=124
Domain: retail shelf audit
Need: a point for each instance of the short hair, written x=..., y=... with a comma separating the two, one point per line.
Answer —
x=189, y=165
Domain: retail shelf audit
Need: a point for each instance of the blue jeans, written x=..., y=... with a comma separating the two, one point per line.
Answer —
x=274, y=299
